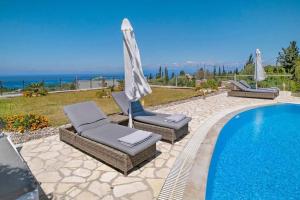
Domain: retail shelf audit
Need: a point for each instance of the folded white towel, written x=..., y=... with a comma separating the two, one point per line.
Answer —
x=135, y=138
x=175, y=118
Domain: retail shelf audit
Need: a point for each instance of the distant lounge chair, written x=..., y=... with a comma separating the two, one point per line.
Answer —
x=93, y=133
x=170, y=127
x=239, y=90
x=275, y=89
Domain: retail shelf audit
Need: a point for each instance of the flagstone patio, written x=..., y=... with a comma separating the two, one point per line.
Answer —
x=67, y=173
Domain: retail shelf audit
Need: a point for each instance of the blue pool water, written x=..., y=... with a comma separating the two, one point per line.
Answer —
x=257, y=156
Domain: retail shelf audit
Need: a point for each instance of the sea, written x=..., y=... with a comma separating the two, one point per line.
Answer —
x=21, y=81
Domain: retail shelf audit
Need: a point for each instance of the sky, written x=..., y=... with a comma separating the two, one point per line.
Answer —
x=56, y=36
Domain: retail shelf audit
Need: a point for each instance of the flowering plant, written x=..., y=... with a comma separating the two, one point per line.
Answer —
x=27, y=122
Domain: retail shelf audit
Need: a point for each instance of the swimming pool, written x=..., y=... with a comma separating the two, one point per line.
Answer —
x=257, y=155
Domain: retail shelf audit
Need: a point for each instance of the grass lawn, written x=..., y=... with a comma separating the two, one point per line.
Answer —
x=52, y=104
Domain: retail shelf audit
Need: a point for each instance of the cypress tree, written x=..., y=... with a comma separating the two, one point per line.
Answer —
x=215, y=70
x=166, y=75
x=250, y=60
x=173, y=75
x=236, y=71
x=158, y=75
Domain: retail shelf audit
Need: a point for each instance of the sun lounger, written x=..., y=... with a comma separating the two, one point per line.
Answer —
x=239, y=90
x=275, y=89
x=16, y=179
x=93, y=133
x=152, y=121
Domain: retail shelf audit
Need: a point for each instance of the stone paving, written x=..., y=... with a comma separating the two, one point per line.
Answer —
x=67, y=173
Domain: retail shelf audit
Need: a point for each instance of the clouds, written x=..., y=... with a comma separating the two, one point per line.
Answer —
x=211, y=63
x=194, y=63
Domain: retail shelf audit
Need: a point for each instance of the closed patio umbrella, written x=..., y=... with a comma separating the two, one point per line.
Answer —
x=259, y=73
x=136, y=85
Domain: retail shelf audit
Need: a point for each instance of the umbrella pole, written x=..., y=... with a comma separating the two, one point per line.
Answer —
x=130, y=116
x=255, y=75
x=255, y=72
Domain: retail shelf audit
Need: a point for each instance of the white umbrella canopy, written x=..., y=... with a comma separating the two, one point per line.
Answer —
x=259, y=73
x=136, y=85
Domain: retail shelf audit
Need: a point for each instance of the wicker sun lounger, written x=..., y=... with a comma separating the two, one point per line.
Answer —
x=152, y=121
x=274, y=89
x=16, y=179
x=239, y=90
x=93, y=133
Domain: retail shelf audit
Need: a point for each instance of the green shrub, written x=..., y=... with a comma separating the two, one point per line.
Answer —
x=42, y=92
x=182, y=81
x=294, y=86
x=208, y=84
x=212, y=84
x=297, y=70
x=72, y=86
x=35, y=89
x=283, y=83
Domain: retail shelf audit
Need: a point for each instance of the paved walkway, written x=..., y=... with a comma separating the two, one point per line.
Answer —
x=70, y=174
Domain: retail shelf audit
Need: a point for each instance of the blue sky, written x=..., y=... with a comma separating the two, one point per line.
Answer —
x=84, y=36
